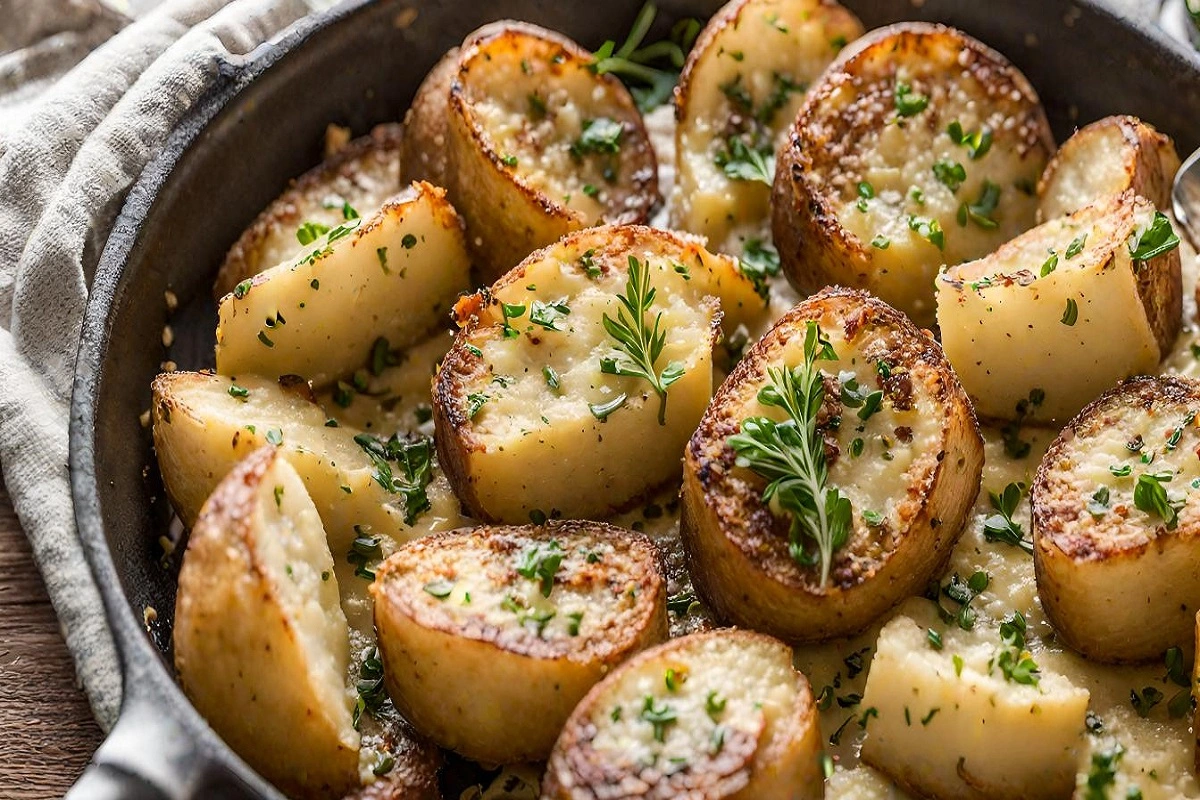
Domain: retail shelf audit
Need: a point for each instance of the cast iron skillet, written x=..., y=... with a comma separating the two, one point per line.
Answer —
x=359, y=65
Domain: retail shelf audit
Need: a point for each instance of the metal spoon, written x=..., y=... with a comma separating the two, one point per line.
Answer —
x=1185, y=197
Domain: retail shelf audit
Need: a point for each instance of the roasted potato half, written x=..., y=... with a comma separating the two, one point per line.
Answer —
x=204, y=424
x=261, y=643
x=883, y=425
x=920, y=146
x=491, y=637
x=739, y=92
x=1107, y=157
x=1116, y=522
x=959, y=729
x=706, y=716
x=1053, y=318
x=391, y=277
x=360, y=176
x=537, y=144
x=551, y=367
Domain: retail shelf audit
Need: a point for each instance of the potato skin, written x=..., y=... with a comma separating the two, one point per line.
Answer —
x=1085, y=169
x=738, y=549
x=1101, y=581
x=364, y=173
x=494, y=692
x=784, y=767
x=238, y=652
x=815, y=171
x=426, y=124
x=508, y=217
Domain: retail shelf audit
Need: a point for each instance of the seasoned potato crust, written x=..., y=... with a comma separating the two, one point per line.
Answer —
x=1107, y=157
x=920, y=146
x=491, y=636
x=530, y=421
x=706, y=716
x=363, y=174
x=539, y=145
x=912, y=468
x=1110, y=558
x=742, y=85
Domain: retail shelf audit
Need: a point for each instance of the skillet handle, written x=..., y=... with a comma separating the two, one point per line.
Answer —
x=148, y=756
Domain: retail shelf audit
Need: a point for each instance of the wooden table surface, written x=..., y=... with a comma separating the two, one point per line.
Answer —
x=46, y=728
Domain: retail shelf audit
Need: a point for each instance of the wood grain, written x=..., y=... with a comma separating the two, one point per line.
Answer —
x=47, y=733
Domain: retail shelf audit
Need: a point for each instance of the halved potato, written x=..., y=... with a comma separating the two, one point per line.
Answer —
x=901, y=445
x=539, y=145
x=261, y=644
x=204, y=424
x=393, y=276
x=363, y=174
x=742, y=85
x=1107, y=157
x=952, y=729
x=1116, y=522
x=706, y=716
x=1062, y=312
x=490, y=637
x=920, y=146
x=530, y=415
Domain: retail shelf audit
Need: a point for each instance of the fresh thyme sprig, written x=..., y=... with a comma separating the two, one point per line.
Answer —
x=791, y=455
x=639, y=343
x=634, y=63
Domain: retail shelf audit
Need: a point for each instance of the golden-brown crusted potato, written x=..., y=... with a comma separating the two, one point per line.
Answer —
x=1116, y=514
x=538, y=145
x=390, y=277
x=741, y=87
x=1109, y=156
x=900, y=444
x=706, y=716
x=948, y=725
x=426, y=124
x=204, y=424
x=1064, y=311
x=405, y=765
x=535, y=409
x=261, y=644
x=363, y=174
x=919, y=146
x=490, y=637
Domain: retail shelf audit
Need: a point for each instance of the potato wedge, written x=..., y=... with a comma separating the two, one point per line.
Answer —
x=1107, y=157
x=1056, y=316
x=261, y=643
x=538, y=145
x=532, y=381
x=706, y=716
x=426, y=124
x=919, y=146
x=905, y=453
x=392, y=277
x=1117, y=535
x=959, y=730
x=491, y=637
x=363, y=174
x=201, y=430
x=741, y=87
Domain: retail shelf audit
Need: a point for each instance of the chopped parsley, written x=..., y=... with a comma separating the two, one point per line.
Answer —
x=1000, y=527
x=950, y=174
x=1076, y=246
x=908, y=103
x=1153, y=241
x=977, y=143
x=548, y=315
x=1070, y=312
x=980, y=212
x=759, y=262
x=413, y=456
x=659, y=716
x=540, y=563
x=741, y=162
x=599, y=135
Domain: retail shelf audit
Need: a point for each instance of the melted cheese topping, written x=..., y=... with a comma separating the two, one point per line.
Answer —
x=472, y=584
x=716, y=685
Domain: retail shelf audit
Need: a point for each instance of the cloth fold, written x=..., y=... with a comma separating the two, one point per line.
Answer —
x=71, y=145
